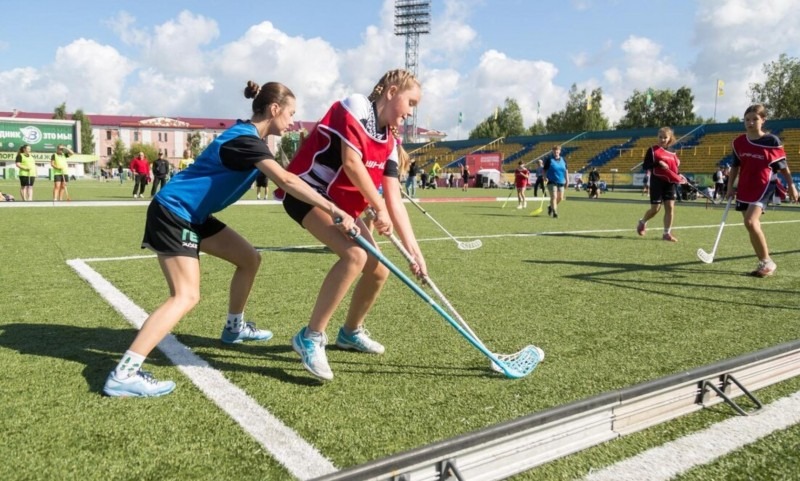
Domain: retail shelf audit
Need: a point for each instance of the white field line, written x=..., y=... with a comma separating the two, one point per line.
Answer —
x=437, y=239
x=299, y=457
x=703, y=447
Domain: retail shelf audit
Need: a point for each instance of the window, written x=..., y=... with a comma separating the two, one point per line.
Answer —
x=108, y=135
x=136, y=136
x=165, y=136
x=108, y=151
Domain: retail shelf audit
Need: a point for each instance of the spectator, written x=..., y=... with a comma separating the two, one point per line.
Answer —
x=411, y=180
x=58, y=162
x=262, y=182
x=160, y=172
x=465, y=176
x=186, y=160
x=719, y=183
x=577, y=181
x=594, y=183
x=27, y=172
x=540, y=179
x=140, y=168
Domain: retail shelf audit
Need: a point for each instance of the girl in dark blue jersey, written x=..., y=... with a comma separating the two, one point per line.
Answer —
x=180, y=224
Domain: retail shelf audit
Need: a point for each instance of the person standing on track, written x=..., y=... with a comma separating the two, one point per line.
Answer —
x=663, y=181
x=758, y=157
x=180, y=224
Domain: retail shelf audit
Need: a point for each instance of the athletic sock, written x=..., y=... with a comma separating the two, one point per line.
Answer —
x=235, y=322
x=128, y=365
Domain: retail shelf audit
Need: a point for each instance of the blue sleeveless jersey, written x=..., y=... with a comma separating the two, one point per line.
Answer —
x=207, y=186
x=557, y=171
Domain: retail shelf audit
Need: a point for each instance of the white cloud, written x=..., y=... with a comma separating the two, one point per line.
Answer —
x=735, y=38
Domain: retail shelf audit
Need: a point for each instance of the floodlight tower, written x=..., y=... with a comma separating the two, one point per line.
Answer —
x=412, y=18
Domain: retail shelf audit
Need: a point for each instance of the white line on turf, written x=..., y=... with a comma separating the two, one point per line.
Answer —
x=703, y=447
x=299, y=457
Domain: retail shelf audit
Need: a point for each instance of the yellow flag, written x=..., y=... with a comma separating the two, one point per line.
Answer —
x=720, y=88
x=496, y=112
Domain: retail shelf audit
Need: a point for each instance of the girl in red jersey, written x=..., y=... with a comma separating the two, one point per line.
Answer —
x=347, y=155
x=521, y=183
x=664, y=166
x=757, y=158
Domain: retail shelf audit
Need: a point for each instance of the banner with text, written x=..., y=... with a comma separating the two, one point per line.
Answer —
x=41, y=136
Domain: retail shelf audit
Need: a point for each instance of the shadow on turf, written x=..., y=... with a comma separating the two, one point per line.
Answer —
x=277, y=356
x=681, y=271
x=98, y=348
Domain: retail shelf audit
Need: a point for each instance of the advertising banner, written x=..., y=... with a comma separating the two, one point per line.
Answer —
x=42, y=136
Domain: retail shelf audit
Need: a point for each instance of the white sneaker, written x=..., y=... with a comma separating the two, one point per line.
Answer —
x=258, y=197
x=359, y=340
x=519, y=206
x=312, y=353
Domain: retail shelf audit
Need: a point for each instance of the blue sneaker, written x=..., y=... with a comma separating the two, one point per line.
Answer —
x=141, y=384
x=248, y=333
x=359, y=340
x=312, y=353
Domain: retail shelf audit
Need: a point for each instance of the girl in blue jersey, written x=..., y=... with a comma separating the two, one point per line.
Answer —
x=180, y=224
x=557, y=174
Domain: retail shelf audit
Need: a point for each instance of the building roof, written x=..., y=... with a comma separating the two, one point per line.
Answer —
x=194, y=123
x=136, y=120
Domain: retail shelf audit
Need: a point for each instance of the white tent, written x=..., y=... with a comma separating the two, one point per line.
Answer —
x=490, y=175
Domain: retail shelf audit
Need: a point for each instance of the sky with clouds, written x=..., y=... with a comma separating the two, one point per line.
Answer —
x=193, y=58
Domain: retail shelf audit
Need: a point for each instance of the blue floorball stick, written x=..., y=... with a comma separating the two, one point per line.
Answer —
x=515, y=366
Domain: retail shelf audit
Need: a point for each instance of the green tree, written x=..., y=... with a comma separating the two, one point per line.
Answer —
x=87, y=139
x=119, y=155
x=60, y=112
x=505, y=122
x=288, y=145
x=581, y=113
x=780, y=92
x=658, y=108
x=150, y=151
x=194, y=144
x=538, y=128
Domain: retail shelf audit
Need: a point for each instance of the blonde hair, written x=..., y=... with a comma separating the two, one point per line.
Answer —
x=668, y=131
x=403, y=80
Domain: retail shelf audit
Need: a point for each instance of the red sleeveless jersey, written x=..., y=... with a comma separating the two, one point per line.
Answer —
x=320, y=165
x=755, y=167
x=670, y=174
x=521, y=177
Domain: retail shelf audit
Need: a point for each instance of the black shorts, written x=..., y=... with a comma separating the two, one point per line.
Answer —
x=296, y=208
x=60, y=178
x=167, y=234
x=262, y=180
x=25, y=181
x=762, y=202
x=661, y=190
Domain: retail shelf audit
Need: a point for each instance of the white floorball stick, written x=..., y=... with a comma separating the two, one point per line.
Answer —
x=464, y=246
x=706, y=257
